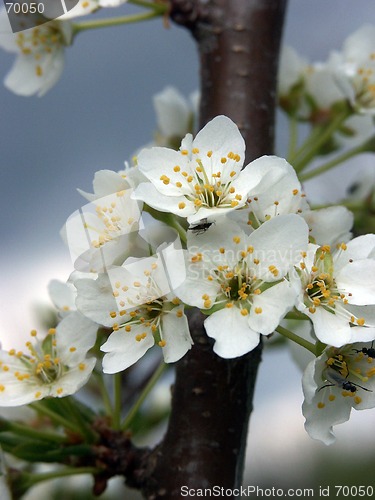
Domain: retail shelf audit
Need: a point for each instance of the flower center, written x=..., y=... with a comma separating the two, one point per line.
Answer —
x=40, y=42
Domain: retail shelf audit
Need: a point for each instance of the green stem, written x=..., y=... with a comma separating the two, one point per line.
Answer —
x=296, y=315
x=150, y=385
x=85, y=427
x=307, y=143
x=149, y=5
x=45, y=476
x=172, y=222
x=293, y=136
x=297, y=339
x=117, y=390
x=55, y=417
x=23, y=430
x=335, y=161
x=319, y=140
x=168, y=219
x=116, y=21
x=104, y=392
x=353, y=205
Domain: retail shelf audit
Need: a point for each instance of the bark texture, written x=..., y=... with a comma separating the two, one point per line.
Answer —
x=238, y=43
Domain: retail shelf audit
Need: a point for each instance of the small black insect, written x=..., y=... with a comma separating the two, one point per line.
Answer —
x=201, y=227
x=338, y=380
x=367, y=351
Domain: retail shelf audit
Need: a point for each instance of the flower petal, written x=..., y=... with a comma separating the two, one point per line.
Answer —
x=273, y=303
x=231, y=332
x=175, y=332
x=123, y=350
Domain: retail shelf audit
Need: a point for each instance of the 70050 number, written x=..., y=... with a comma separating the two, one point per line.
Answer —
x=25, y=8
x=355, y=491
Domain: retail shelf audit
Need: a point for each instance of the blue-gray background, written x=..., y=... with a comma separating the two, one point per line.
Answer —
x=95, y=117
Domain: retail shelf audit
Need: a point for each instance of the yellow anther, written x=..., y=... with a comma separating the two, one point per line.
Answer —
x=166, y=180
x=320, y=405
x=184, y=152
x=52, y=331
x=209, y=154
x=176, y=168
x=258, y=310
x=331, y=397
x=181, y=205
x=162, y=343
x=295, y=192
x=113, y=314
x=178, y=184
x=236, y=239
x=37, y=395
x=82, y=366
x=244, y=312
x=360, y=321
x=72, y=349
x=180, y=313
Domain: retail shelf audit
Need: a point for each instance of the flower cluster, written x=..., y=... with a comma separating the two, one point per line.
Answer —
x=198, y=227
x=341, y=88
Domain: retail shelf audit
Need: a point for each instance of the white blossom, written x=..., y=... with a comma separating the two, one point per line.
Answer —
x=204, y=179
x=85, y=7
x=239, y=279
x=333, y=384
x=175, y=116
x=105, y=231
x=56, y=365
x=355, y=69
x=39, y=55
x=135, y=300
x=337, y=290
